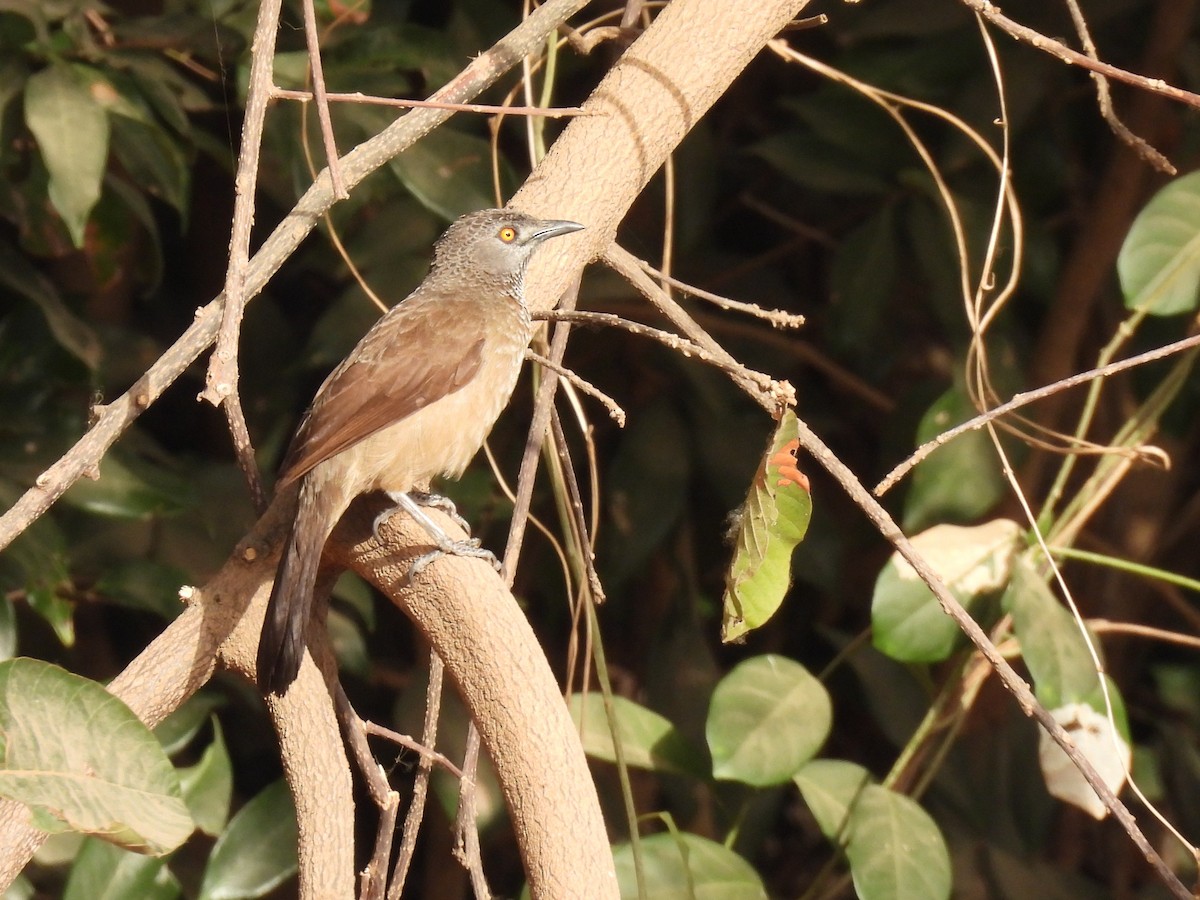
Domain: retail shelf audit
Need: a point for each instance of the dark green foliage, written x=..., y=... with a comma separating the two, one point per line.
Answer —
x=117, y=142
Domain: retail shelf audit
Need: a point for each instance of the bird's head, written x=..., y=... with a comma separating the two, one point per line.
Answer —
x=493, y=246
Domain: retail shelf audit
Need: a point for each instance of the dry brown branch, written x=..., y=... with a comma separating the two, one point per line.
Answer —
x=763, y=386
x=1104, y=98
x=610, y=405
x=373, y=878
x=466, y=825
x=534, y=440
x=556, y=112
x=584, y=539
x=1104, y=626
x=1024, y=399
x=778, y=318
x=1073, y=57
x=312, y=43
x=771, y=395
x=473, y=623
x=221, y=385
x=420, y=791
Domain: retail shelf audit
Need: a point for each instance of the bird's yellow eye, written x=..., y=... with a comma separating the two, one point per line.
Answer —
x=508, y=234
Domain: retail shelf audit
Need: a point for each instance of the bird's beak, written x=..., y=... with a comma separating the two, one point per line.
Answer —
x=553, y=228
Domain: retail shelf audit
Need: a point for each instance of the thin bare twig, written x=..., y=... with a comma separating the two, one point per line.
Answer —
x=778, y=318
x=313, y=43
x=536, y=436
x=764, y=386
x=771, y=395
x=1104, y=98
x=1073, y=57
x=555, y=112
x=614, y=410
x=372, y=879
x=416, y=807
x=1026, y=397
x=221, y=387
x=408, y=743
x=466, y=825
x=1104, y=626
x=575, y=507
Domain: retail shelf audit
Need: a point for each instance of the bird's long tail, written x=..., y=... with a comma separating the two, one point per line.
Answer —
x=281, y=645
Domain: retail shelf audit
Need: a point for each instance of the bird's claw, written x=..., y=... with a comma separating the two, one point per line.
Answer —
x=442, y=502
x=421, y=498
x=469, y=549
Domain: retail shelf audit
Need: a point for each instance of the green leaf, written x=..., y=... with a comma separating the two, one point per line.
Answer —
x=349, y=643
x=143, y=584
x=72, y=134
x=647, y=489
x=818, y=165
x=683, y=866
x=831, y=788
x=8, y=629
x=1159, y=263
x=449, y=171
x=131, y=488
x=894, y=848
x=907, y=621
x=896, y=851
x=19, y=275
x=165, y=91
x=257, y=852
x=153, y=159
x=959, y=481
x=648, y=740
x=21, y=889
x=208, y=785
x=1051, y=643
x=81, y=760
x=768, y=717
x=36, y=563
x=54, y=609
x=177, y=730
x=774, y=519
x=862, y=283
x=104, y=872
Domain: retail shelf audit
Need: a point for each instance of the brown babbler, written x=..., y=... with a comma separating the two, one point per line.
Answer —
x=414, y=400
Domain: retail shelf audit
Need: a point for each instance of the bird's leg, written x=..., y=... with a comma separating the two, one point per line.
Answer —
x=441, y=541
x=442, y=502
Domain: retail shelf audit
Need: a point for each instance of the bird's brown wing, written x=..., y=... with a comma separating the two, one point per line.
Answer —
x=409, y=359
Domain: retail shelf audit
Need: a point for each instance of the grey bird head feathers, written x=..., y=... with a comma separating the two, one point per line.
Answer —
x=494, y=245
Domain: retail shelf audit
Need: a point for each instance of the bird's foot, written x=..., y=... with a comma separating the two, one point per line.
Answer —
x=412, y=502
x=420, y=498
x=469, y=549
x=445, y=504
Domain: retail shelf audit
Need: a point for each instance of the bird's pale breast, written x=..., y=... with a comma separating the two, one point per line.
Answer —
x=442, y=438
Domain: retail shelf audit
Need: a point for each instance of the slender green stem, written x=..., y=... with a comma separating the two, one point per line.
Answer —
x=1128, y=565
x=1124, y=332
x=614, y=727
x=1137, y=430
x=928, y=725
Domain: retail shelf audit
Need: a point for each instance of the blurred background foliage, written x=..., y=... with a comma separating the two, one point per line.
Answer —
x=793, y=193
